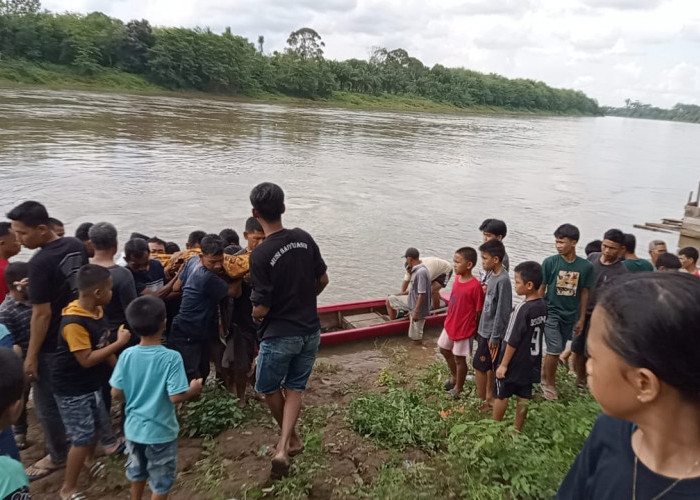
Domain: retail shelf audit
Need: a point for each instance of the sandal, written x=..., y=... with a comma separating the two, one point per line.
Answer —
x=36, y=471
x=549, y=393
x=448, y=385
x=97, y=470
x=78, y=495
x=280, y=468
x=453, y=393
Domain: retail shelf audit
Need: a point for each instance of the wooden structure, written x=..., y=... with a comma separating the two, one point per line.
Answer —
x=688, y=227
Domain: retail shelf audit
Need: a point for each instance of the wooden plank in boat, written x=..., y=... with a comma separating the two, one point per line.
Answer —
x=363, y=320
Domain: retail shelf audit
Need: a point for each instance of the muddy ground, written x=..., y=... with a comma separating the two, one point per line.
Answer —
x=235, y=464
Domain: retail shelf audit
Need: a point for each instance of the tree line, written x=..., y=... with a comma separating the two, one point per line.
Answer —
x=199, y=59
x=635, y=109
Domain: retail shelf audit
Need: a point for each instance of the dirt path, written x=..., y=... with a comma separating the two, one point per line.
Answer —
x=337, y=460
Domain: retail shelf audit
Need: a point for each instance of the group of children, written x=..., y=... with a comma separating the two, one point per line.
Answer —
x=551, y=321
x=104, y=328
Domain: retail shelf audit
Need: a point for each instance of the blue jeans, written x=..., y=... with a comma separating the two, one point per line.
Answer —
x=155, y=462
x=286, y=362
x=47, y=411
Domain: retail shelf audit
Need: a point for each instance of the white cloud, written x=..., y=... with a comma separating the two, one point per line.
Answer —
x=611, y=49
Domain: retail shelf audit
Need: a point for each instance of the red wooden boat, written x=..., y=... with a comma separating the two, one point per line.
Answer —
x=366, y=319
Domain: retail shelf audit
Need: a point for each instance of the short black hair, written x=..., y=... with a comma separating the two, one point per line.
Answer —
x=83, y=231
x=615, y=235
x=593, y=247
x=138, y=235
x=689, y=253
x=412, y=252
x=171, y=247
x=212, y=244
x=103, y=236
x=252, y=224
x=567, y=231
x=5, y=228
x=156, y=239
x=135, y=247
x=92, y=276
x=630, y=243
x=652, y=322
x=530, y=271
x=494, y=226
x=11, y=378
x=468, y=254
x=668, y=261
x=30, y=213
x=230, y=236
x=15, y=271
x=267, y=199
x=53, y=221
x=233, y=249
x=494, y=248
x=145, y=315
x=195, y=238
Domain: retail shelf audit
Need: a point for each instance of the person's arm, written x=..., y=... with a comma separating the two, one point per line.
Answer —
x=404, y=287
x=321, y=283
x=194, y=391
x=504, y=305
x=259, y=312
x=578, y=327
x=503, y=367
x=117, y=394
x=234, y=289
x=89, y=357
x=41, y=318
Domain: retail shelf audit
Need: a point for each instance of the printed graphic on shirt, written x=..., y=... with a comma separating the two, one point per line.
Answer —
x=567, y=283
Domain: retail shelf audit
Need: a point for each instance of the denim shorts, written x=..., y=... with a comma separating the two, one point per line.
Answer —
x=556, y=334
x=286, y=362
x=83, y=416
x=155, y=462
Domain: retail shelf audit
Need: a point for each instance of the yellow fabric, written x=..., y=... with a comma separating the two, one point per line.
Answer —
x=76, y=336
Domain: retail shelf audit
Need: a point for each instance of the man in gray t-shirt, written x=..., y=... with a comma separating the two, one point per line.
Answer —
x=418, y=294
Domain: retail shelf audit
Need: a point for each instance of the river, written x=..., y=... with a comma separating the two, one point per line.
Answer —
x=365, y=184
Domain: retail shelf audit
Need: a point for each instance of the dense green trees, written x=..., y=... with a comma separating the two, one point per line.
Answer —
x=181, y=58
x=635, y=109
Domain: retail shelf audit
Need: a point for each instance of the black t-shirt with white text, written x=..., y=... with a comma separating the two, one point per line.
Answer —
x=53, y=278
x=284, y=271
x=525, y=333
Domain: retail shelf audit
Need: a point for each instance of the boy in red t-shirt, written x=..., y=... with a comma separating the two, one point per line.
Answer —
x=464, y=309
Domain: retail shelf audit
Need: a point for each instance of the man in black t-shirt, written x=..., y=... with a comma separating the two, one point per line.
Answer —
x=52, y=274
x=287, y=273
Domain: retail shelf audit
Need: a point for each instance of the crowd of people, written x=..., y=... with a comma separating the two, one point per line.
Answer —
x=89, y=324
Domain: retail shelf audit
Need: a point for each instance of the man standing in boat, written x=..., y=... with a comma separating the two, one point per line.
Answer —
x=287, y=273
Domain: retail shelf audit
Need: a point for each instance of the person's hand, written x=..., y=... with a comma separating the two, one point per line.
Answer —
x=415, y=316
x=31, y=368
x=493, y=349
x=196, y=386
x=123, y=335
x=578, y=327
x=501, y=371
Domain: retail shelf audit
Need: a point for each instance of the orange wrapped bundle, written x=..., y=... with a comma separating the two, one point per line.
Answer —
x=235, y=266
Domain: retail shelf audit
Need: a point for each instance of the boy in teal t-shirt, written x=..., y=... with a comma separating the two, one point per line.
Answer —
x=13, y=480
x=151, y=379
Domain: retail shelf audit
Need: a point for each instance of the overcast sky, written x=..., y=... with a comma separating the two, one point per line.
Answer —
x=611, y=49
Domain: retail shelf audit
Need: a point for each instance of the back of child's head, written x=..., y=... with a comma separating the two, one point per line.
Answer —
x=212, y=244
x=530, y=271
x=689, y=253
x=195, y=238
x=567, y=231
x=11, y=382
x=83, y=231
x=92, y=276
x=668, y=261
x=252, y=224
x=615, y=235
x=652, y=322
x=135, y=247
x=146, y=315
x=595, y=246
x=630, y=243
x=230, y=237
x=268, y=201
x=494, y=248
x=103, y=236
x=468, y=254
x=495, y=227
x=14, y=272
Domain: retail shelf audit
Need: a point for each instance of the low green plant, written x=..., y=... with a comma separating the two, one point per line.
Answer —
x=211, y=414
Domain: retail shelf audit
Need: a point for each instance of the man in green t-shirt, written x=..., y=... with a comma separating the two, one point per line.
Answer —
x=566, y=282
x=633, y=263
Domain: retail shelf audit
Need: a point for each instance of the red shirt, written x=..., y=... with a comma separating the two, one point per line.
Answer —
x=465, y=301
x=3, y=286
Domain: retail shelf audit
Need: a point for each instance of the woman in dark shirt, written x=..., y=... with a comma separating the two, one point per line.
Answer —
x=644, y=370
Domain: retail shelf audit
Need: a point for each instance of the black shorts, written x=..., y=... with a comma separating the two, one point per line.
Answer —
x=504, y=390
x=195, y=357
x=578, y=343
x=245, y=345
x=443, y=279
x=482, y=357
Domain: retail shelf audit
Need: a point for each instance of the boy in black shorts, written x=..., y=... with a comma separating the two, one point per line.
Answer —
x=520, y=356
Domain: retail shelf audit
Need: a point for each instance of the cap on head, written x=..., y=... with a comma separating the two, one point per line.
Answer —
x=412, y=253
